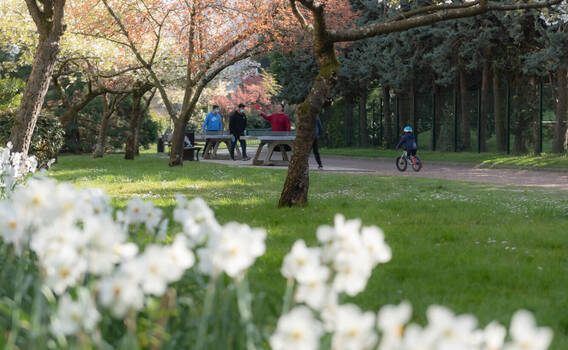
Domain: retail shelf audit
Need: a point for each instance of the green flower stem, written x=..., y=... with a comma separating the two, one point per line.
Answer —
x=207, y=307
x=287, y=300
x=20, y=289
x=244, y=298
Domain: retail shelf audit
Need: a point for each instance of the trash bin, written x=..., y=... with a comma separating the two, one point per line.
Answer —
x=160, y=145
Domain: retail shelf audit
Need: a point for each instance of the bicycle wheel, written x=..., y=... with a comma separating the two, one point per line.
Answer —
x=401, y=163
x=416, y=166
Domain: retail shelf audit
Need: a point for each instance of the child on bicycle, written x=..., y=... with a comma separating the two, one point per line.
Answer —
x=409, y=143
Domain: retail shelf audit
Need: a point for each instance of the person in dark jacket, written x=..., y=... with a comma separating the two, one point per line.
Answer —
x=315, y=147
x=408, y=142
x=237, y=126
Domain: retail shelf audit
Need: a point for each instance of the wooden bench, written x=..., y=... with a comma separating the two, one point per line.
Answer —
x=191, y=153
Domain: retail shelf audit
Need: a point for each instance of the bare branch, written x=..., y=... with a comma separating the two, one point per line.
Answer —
x=98, y=36
x=305, y=26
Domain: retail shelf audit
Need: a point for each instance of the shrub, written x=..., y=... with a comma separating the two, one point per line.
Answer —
x=47, y=139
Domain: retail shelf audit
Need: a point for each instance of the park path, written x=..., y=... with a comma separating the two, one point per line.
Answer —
x=554, y=180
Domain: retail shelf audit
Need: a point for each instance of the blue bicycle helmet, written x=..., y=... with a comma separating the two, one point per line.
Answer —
x=407, y=129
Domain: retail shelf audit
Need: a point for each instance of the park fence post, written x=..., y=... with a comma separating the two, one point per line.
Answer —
x=397, y=115
x=540, y=112
x=433, y=121
x=479, y=121
x=508, y=117
x=414, y=116
x=455, y=120
x=381, y=102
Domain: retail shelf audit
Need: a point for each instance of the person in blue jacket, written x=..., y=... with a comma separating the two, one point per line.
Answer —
x=409, y=143
x=212, y=122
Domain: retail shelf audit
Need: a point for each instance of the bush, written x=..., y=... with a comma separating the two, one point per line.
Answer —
x=47, y=139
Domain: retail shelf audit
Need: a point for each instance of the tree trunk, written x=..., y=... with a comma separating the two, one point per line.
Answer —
x=485, y=105
x=363, y=135
x=139, y=123
x=560, y=130
x=34, y=92
x=349, y=134
x=500, y=116
x=524, y=99
x=536, y=117
x=103, y=128
x=109, y=106
x=437, y=118
x=137, y=133
x=465, y=121
x=130, y=149
x=296, y=186
x=176, y=150
x=566, y=140
x=388, y=135
x=412, y=107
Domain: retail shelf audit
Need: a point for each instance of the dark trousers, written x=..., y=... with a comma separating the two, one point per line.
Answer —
x=316, y=151
x=411, y=153
x=207, y=142
x=243, y=147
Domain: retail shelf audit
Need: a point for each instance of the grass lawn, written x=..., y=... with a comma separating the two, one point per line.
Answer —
x=482, y=249
x=483, y=159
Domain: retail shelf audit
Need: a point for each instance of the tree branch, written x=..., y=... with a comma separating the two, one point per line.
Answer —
x=381, y=28
x=426, y=9
x=305, y=26
x=148, y=67
x=36, y=14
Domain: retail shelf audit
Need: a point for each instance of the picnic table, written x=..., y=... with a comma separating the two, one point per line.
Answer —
x=215, y=139
x=284, y=140
x=274, y=139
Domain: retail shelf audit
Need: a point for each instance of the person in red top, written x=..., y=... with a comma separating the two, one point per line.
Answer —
x=279, y=121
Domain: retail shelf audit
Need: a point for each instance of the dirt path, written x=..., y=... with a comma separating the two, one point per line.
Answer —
x=452, y=171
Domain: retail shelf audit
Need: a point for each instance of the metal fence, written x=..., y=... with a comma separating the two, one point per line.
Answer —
x=510, y=120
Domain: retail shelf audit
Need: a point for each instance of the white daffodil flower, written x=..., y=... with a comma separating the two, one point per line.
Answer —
x=120, y=293
x=374, y=239
x=197, y=219
x=299, y=258
x=63, y=268
x=391, y=321
x=312, y=286
x=180, y=258
x=451, y=331
x=73, y=316
x=298, y=330
x=354, y=330
x=526, y=335
x=494, y=336
x=12, y=227
x=135, y=211
x=103, y=237
x=153, y=268
x=236, y=248
x=352, y=272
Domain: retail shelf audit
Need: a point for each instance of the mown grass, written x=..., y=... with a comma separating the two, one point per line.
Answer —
x=482, y=159
x=476, y=248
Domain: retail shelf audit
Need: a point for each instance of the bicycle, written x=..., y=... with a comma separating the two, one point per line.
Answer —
x=402, y=162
